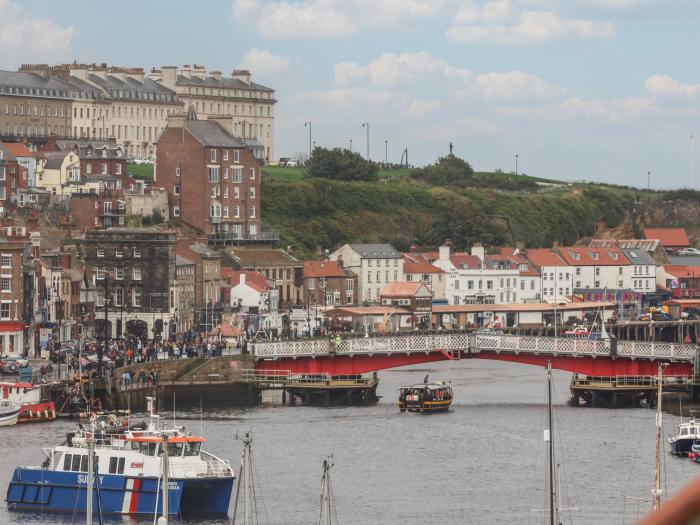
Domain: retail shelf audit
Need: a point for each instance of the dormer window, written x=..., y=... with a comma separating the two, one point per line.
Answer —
x=576, y=256
x=613, y=255
x=104, y=152
x=594, y=256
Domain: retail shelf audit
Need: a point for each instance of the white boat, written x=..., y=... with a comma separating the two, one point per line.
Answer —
x=9, y=412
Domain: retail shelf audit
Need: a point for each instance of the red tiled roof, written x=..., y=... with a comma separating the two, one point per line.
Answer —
x=464, y=260
x=226, y=330
x=680, y=270
x=669, y=237
x=417, y=263
x=18, y=149
x=431, y=256
x=506, y=251
x=544, y=257
x=323, y=269
x=585, y=256
x=401, y=288
x=255, y=280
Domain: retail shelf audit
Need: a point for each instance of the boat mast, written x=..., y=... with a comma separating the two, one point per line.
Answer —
x=656, y=493
x=324, y=510
x=548, y=437
x=90, y=475
x=248, y=485
x=163, y=520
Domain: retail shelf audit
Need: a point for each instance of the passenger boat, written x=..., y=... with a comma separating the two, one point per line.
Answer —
x=687, y=435
x=28, y=397
x=9, y=412
x=128, y=480
x=426, y=397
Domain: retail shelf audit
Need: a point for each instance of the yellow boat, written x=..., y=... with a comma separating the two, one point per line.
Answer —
x=426, y=397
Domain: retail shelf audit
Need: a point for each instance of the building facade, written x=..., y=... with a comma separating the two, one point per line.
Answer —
x=328, y=283
x=375, y=265
x=212, y=178
x=133, y=273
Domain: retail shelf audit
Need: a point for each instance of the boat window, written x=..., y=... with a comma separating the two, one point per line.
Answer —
x=75, y=465
x=112, y=465
x=83, y=463
x=57, y=459
x=684, y=432
x=152, y=449
x=66, y=461
x=120, y=468
x=192, y=449
x=175, y=449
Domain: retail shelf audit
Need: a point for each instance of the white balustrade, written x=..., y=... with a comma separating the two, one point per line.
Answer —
x=408, y=344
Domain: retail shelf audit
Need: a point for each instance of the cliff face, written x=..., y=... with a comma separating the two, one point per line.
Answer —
x=685, y=214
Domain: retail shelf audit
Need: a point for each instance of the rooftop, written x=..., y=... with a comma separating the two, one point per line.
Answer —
x=376, y=251
x=254, y=257
x=324, y=268
x=404, y=289
x=544, y=257
x=210, y=133
x=669, y=237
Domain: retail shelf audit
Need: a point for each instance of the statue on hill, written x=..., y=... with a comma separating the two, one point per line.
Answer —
x=451, y=149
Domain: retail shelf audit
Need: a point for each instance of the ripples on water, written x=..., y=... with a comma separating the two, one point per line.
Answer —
x=482, y=463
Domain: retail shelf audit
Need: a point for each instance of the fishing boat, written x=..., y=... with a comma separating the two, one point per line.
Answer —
x=687, y=435
x=426, y=397
x=29, y=399
x=129, y=472
x=9, y=412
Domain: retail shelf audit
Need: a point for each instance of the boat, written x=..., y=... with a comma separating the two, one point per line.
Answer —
x=687, y=435
x=29, y=398
x=694, y=453
x=130, y=466
x=426, y=397
x=9, y=412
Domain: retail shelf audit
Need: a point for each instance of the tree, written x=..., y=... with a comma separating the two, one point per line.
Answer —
x=449, y=171
x=340, y=164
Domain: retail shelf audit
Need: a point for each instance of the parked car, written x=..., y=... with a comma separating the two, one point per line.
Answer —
x=291, y=163
x=689, y=251
x=12, y=363
x=58, y=355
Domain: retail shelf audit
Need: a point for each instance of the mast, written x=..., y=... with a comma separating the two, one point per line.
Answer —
x=324, y=510
x=248, y=485
x=90, y=475
x=656, y=493
x=548, y=438
x=163, y=520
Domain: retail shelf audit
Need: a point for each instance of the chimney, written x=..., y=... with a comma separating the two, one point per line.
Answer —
x=478, y=251
x=199, y=72
x=169, y=76
x=290, y=249
x=413, y=248
x=241, y=74
x=186, y=71
x=444, y=251
x=241, y=279
x=176, y=120
x=216, y=75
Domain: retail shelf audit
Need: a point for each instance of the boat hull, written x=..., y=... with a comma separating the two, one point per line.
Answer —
x=39, y=489
x=37, y=412
x=425, y=406
x=7, y=419
x=682, y=446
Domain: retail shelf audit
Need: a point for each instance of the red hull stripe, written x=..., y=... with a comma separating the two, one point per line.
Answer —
x=133, y=507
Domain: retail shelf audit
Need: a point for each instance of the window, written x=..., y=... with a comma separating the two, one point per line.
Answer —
x=176, y=189
x=226, y=172
x=225, y=154
x=237, y=174
x=118, y=253
x=6, y=260
x=136, y=303
x=213, y=173
x=597, y=271
x=104, y=168
x=119, y=273
x=252, y=173
x=5, y=311
x=252, y=212
x=101, y=272
x=236, y=192
x=225, y=211
x=176, y=211
x=137, y=253
x=118, y=169
x=212, y=155
x=251, y=192
x=137, y=274
x=236, y=156
x=6, y=284
x=215, y=210
x=177, y=171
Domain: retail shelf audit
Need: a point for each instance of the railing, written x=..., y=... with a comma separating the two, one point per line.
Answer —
x=217, y=468
x=223, y=237
x=630, y=381
x=475, y=343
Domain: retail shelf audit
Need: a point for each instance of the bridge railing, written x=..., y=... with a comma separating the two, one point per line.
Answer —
x=475, y=343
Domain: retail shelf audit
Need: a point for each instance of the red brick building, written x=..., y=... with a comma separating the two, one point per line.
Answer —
x=13, y=176
x=328, y=283
x=212, y=178
x=106, y=209
x=98, y=159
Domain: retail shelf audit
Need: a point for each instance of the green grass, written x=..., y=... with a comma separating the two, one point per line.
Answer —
x=283, y=174
x=143, y=171
x=399, y=172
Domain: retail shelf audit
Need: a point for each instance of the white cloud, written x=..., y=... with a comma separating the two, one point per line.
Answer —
x=499, y=24
x=420, y=108
x=390, y=69
x=33, y=38
x=264, y=62
x=664, y=85
x=329, y=18
x=515, y=84
x=576, y=108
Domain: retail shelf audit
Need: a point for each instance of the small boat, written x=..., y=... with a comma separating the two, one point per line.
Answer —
x=29, y=399
x=9, y=413
x=687, y=435
x=426, y=397
x=130, y=466
x=694, y=453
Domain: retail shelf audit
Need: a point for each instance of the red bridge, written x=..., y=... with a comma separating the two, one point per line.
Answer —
x=367, y=354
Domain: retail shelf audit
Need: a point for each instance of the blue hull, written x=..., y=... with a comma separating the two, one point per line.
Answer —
x=46, y=490
x=682, y=447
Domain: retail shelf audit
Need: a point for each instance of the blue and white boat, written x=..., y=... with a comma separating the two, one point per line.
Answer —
x=128, y=474
x=687, y=435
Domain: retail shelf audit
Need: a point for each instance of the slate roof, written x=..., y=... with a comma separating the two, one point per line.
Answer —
x=54, y=159
x=638, y=256
x=31, y=84
x=376, y=251
x=209, y=133
x=95, y=147
x=182, y=261
x=114, y=85
x=669, y=237
x=252, y=257
x=223, y=82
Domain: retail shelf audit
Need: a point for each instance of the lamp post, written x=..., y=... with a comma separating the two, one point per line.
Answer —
x=366, y=125
x=309, y=125
x=57, y=299
x=516, y=164
x=386, y=153
x=350, y=145
x=649, y=180
x=692, y=162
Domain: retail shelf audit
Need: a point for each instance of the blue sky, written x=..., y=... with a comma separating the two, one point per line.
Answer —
x=600, y=90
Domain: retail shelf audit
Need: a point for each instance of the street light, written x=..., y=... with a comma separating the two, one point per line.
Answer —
x=366, y=125
x=649, y=180
x=309, y=125
x=516, y=164
x=350, y=145
x=386, y=152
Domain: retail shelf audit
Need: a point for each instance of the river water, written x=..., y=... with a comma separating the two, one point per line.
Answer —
x=483, y=462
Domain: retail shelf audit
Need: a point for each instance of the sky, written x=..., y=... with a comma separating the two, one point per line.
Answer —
x=603, y=90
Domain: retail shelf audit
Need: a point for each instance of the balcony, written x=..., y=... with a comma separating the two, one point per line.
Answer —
x=686, y=293
x=236, y=239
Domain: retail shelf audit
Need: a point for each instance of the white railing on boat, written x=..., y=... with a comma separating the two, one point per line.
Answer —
x=218, y=468
x=474, y=343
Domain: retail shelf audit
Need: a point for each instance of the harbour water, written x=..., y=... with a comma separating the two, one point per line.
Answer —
x=483, y=462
